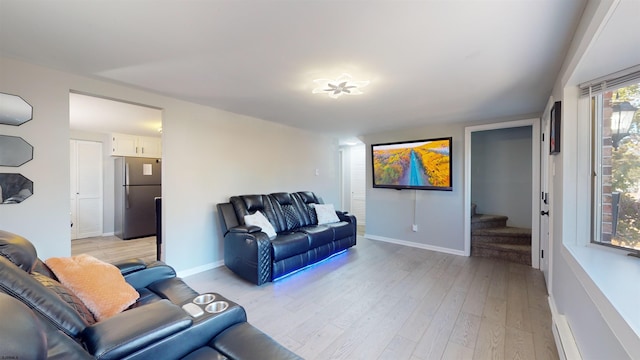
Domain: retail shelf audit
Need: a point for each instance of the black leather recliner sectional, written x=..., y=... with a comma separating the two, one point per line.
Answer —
x=40, y=321
x=300, y=241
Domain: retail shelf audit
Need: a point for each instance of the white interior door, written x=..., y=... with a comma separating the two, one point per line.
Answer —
x=358, y=183
x=86, y=188
x=544, y=198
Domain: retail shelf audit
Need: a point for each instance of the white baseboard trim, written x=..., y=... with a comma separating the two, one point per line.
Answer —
x=108, y=234
x=415, y=245
x=562, y=334
x=199, y=269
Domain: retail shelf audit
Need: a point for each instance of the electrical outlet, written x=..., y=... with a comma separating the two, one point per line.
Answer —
x=414, y=227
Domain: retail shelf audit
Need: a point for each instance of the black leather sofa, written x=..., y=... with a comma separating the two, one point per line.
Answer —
x=40, y=322
x=300, y=241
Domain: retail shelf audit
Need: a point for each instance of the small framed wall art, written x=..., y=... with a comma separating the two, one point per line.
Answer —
x=554, y=127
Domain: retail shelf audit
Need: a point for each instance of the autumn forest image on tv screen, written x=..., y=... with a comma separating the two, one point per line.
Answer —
x=419, y=164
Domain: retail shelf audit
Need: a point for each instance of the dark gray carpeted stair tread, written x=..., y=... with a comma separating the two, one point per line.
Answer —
x=482, y=221
x=509, y=247
x=511, y=252
x=504, y=231
x=486, y=217
x=491, y=237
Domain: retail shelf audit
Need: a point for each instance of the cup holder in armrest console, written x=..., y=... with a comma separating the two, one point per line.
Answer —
x=217, y=307
x=204, y=299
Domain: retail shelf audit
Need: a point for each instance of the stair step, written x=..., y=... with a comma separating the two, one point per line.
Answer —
x=511, y=252
x=503, y=235
x=483, y=221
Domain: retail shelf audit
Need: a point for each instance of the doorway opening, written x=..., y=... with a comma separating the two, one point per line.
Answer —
x=484, y=174
x=353, y=182
x=101, y=131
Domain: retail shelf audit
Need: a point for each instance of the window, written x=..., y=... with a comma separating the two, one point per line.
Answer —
x=616, y=163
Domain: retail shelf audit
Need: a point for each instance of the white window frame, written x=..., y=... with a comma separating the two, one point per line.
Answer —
x=592, y=130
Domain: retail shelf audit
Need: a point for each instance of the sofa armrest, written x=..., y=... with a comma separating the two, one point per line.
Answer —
x=131, y=265
x=154, y=271
x=243, y=341
x=247, y=252
x=135, y=329
x=345, y=216
x=245, y=229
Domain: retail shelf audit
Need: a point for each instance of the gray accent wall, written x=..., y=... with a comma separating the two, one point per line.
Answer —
x=501, y=178
x=438, y=214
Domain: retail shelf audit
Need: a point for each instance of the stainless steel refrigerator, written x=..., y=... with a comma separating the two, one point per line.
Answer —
x=137, y=184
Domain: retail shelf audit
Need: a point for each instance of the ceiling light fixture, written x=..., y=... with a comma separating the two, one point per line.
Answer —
x=344, y=84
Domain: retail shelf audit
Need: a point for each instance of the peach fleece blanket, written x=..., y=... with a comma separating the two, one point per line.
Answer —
x=99, y=285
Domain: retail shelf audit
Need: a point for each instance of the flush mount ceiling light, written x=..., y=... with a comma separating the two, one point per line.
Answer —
x=344, y=84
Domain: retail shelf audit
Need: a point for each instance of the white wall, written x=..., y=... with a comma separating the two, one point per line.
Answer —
x=208, y=155
x=501, y=178
x=598, y=331
x=45, y=216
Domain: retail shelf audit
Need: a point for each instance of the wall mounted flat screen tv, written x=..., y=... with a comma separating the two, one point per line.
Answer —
x=420, y=164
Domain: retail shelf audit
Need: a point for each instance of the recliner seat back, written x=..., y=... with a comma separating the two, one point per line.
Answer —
x=249, y=204
x=288, y=211
x=40, y=292
x=305, y=199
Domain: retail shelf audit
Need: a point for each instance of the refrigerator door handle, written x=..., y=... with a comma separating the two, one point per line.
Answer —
x=126, y=187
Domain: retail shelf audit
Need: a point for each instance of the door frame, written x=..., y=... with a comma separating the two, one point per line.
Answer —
x=535, y=186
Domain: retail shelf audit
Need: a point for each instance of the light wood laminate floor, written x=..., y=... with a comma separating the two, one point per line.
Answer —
x=112, y=249
x=388, y=301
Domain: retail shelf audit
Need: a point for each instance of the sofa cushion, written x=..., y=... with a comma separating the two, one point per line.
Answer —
x=341, y=229
x=318, y=235
x=258, y=219
x=289, y=244
x=99, y=285
x=326, y=213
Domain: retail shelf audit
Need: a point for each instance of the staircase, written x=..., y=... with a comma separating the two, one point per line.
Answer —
x=491, y=237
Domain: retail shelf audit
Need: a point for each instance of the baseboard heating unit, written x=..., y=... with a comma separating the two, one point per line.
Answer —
x=565, y=342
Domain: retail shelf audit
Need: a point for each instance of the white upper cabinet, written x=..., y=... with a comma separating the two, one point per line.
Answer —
x=133, y=145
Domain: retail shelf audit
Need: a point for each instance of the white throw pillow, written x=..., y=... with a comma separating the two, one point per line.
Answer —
x=257, y=219
x=326, y=213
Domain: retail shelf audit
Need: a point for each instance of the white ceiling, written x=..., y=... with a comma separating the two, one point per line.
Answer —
x=428, y=61
x=95, y=114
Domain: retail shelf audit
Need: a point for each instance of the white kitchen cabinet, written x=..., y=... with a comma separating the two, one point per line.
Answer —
x=133, y=145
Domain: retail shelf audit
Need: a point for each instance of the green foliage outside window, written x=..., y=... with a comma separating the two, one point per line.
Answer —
x=626, y=175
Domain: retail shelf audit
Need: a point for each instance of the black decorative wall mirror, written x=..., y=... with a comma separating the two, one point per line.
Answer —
x=14, y=188
x=14, y=151
x=14, y=110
